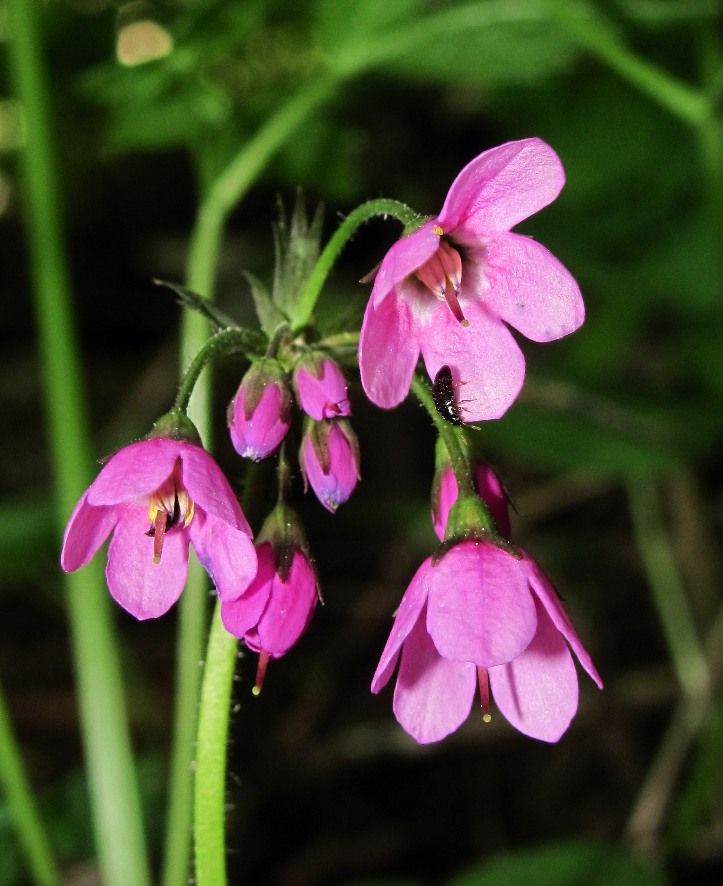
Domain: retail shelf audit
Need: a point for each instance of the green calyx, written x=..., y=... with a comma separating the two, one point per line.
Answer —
x=282, y=529
x=469, y=518
x=175, y=425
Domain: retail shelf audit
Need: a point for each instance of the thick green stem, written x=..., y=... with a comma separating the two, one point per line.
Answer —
x=111, y=776
x=22, y=808
x=386, y=208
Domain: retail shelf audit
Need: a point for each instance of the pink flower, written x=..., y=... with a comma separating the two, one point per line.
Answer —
x=156, y=496
x=488, y=487
x=260, y=414
x=451, y=287
x=329, y=459
x=321, y=389
x=479, y=617
x=276, y=608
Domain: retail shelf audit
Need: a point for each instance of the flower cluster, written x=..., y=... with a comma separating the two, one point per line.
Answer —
x=479, y=614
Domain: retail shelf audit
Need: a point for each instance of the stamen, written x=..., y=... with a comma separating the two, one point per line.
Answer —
x=483, y=678
x=169, y=506
x=159, y=533
x=442, y=274
x=261, y=672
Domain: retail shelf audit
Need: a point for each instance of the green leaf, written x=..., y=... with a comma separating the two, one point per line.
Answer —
x=575, y=863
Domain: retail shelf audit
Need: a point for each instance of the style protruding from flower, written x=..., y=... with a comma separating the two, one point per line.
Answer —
x=451, y=288
x=278, y=605
x=481, y=619
x=259, y=416
x=156, y=496
x=329, y=460
x=321, y=388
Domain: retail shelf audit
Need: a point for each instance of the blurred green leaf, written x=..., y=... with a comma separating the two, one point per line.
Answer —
x=575, y=863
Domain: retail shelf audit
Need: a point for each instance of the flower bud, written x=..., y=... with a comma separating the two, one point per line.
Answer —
x=321, y=388
x=260, y=414
x=329, y=458
x=488, y=486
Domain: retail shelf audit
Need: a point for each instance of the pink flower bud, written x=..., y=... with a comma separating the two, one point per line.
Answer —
x=329, y=458
x=489, y=488
x=321, y=388
x=260, y=414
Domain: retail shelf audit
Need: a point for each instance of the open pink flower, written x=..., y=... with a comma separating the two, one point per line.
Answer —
x=156, y=496
x=277, y=607
x=451, y=287
x=479, y=618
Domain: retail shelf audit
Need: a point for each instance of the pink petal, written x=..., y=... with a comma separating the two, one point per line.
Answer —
x=86, y=531
x=240, y=615
x=490, y=490
x=480, y=607
x=146, y=589
x=537, y=692
x=288, y=610
x=388, y=351
x=324, y=397
x=547, y=595
x=500, y=188
x=412, y=604
x=261, y=434
x=209, y=488
x=433, y=696
x=486, y=362
x=134, y=472
x=530, y=289
x=226, y=553
x=403, y=259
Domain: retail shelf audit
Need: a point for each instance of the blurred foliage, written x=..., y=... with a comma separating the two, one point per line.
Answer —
x=420, y=87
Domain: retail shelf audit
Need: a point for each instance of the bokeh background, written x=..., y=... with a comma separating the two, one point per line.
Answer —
x=611, y=455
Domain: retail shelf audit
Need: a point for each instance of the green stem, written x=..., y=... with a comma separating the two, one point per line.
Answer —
x=22, y=808
x=596, y=35
x=111, y=777
x=305, y=306
x=660, y=565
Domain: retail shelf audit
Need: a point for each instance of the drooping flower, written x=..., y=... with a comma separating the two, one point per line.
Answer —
x=451, y=288
x=488, y=487
x=156, y=496
x=329, y=459
x=259, y=416
x=481, y=618
x=321, y=388
x=277, y=607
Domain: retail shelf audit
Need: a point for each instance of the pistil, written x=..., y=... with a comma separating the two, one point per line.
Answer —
x=483, y=678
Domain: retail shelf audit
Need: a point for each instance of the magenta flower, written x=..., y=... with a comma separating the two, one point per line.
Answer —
x=479, y=618
x=329, y=459
x=156, y=496
x=488, y=487
x=260, y=414
x=450, y=288
x=321, y=389
x=276, y=608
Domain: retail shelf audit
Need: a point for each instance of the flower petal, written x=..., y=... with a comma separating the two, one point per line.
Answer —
x=486, y=362
x=480, y=607
x=146, y=589
x=136, y=471
x=209, y=488
x=500, y=188
x=403, y=259
x=530, y=289
x=240, y=615
x=86, y=531
x=225, y=552
x=412, y=604
x=537, y=692
x=388, y=351
x=490, y=489
x=547, y=595
x=433, y=696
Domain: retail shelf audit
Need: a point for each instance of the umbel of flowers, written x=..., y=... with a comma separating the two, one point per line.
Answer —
x=479, y=616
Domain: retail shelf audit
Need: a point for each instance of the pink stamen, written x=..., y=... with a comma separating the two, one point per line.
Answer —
x=261, y=672
x=442, y=274
x=483, y=678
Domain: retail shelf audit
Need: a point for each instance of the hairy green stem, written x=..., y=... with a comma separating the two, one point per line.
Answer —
x=111, y=777
x=346, y=230
x=22, y=808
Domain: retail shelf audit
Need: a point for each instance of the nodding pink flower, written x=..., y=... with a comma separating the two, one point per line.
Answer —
x=489, y=488
x=260, y=414
x=321, y=389
x=329, y=459
x=156, y=496
x=451, y=288
x=277, y=607
x=478, y=619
